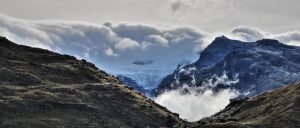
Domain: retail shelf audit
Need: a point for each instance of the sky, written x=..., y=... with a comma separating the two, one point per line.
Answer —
x=144, y=39
x=274, y=16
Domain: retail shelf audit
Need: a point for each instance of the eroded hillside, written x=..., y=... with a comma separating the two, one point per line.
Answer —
x=276, y=109
x=39, y=88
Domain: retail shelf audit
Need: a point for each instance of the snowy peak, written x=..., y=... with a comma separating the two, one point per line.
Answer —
x=259, y=66
x=216, y=51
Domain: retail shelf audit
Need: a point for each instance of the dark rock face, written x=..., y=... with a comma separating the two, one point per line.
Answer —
x=42, y=89
x=253, y=67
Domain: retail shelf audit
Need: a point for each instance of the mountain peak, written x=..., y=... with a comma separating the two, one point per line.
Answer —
x=261, y=66
x=216, y=51
x=221, y=39
x=269, y=42
x=223, y=42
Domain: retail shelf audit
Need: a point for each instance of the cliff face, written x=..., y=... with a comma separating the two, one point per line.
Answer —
x=39, y=88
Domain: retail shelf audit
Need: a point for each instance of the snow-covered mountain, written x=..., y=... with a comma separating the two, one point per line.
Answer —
x=249, y=67
x=143, y=82
x=132, y=83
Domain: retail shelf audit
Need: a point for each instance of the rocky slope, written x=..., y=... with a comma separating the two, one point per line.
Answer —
x=249, y=67
x=276, y=109
x=42, y=89
x=39, y=88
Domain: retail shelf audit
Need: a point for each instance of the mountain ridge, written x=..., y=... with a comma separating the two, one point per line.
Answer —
x=40, y=88
x=260, y=66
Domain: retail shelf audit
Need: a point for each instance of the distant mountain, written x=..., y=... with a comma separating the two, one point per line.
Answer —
x=143, y=82
x=131, y=83
x=249, y=67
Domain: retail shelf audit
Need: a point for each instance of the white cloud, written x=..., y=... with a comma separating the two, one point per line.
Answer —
x=101, y=44
x=249, y=33
x=291, y=38
x=110, y=52
x=194, y=105
x=105, y=44
x=252, y=34
x=194, y=102
x=209, y=15
x=126, y=43
x=158, y=39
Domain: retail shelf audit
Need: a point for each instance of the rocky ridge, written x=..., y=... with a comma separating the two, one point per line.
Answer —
x=249, y=67
x=40, y=88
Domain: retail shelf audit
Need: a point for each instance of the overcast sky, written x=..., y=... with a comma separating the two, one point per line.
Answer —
x=148, y=37
x=274, y=16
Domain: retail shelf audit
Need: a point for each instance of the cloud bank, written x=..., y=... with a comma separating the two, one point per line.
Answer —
x=194, y=105
x=251, y=34
x=126, y=48
x=112, y=47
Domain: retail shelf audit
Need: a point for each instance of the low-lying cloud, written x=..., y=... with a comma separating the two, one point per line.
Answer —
x=195, y=102
x=193, y=105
